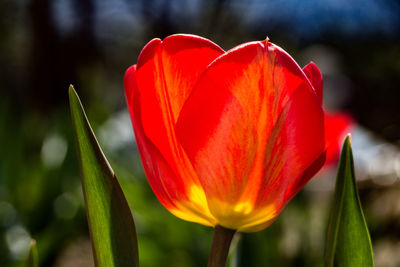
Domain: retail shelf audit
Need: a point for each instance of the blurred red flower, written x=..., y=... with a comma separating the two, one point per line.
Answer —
x=337, y=126
x=226, y=138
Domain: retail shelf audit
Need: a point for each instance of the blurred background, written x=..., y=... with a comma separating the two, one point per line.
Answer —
x=45, y=45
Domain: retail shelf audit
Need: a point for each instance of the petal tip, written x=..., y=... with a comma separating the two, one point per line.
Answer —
x=176, y=39
x=148, y=51
x=314, y=76
x=129, y=71
x=312, y=64
x=129, y=75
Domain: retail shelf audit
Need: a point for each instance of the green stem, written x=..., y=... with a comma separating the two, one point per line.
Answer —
x=220, y=246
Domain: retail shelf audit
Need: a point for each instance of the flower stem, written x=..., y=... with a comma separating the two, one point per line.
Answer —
x=220, y=246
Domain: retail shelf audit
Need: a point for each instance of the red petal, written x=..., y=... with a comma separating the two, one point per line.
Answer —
x=315, y=77
x=154, y=164
x=252, y=125
x=298, y=149
x=304, y=178
x=169, y=188
x=156, y=90
x=166, y=74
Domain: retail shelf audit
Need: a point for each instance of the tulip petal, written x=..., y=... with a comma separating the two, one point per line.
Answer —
x=315, y=77
x=251, y=128
x=166, y=74
x=156, y=90
x=165, y=184
x=299, y=146
x=153, y=162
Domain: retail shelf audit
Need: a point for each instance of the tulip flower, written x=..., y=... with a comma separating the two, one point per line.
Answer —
x=226, y=138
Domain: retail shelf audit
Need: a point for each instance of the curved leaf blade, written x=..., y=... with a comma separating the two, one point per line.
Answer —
x=348, y=242
x=111, y=223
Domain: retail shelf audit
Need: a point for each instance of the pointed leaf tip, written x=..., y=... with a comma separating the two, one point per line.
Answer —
x=348, y=242
x=110, y=219
x=71, y=90
x=33, y=257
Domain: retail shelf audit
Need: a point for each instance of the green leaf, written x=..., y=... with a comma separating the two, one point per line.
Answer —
x=33, y=258
x=111, y=224
x=348, y=242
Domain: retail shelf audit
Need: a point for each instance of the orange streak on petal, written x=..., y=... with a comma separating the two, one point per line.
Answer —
x=235, y=128
x=153, y=163
x=156, y=89
x=225, y=138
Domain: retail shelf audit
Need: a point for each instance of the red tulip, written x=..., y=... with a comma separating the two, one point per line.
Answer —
x=226, y=138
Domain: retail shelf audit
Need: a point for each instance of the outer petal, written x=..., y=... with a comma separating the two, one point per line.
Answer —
x=148, y=152
x=315, y=77
x=168, y=188
x=251, y=128
x=156, y=90
x=166, y=74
